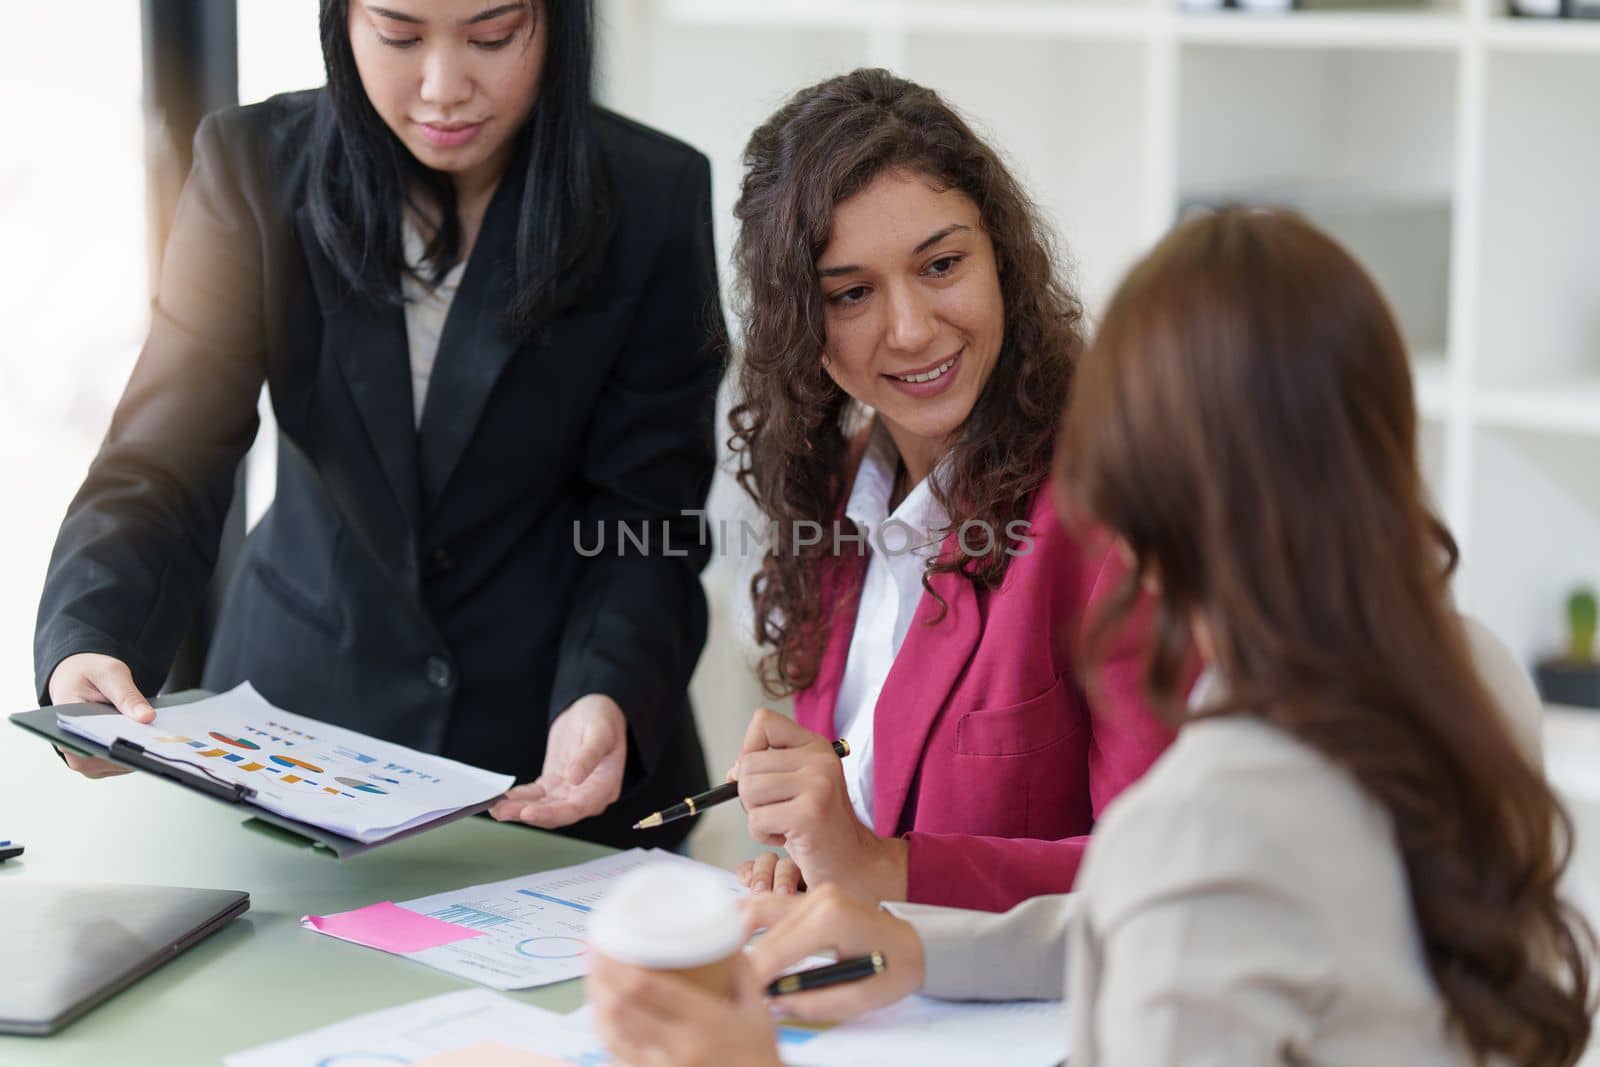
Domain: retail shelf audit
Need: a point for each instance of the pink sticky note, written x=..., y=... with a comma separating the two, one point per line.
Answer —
x=491, y=1054
x=389, y=927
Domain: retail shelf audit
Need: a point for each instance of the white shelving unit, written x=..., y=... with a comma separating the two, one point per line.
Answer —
x=1454, y=149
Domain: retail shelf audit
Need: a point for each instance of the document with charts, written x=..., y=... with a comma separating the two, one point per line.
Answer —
x=527, y=931
x=300, y=768
x=476, y=1027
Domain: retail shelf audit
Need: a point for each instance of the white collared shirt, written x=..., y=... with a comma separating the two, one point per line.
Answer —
x=889, y=597
x=426, y=310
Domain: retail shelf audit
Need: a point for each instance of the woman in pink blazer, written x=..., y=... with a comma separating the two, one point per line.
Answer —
x=907, y=347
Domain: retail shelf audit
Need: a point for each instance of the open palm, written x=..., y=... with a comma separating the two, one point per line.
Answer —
x=583, y=763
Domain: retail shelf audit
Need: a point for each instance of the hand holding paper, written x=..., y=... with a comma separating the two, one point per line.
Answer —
x=90, y=678
x=358, y=787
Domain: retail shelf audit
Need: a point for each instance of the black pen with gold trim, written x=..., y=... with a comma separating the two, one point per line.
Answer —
x=850, y=970
x=711, y=797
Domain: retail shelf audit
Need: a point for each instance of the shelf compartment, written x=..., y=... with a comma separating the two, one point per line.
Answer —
x=1433, y=456
x=1430, y=381
x=1361, y=143
x=817, y=14
x=712, y=85
x=1318, y=30
x=1571, y=407
x=1080, y=94
x=1508, y=34
x=1535, y=533
x=1539, y=310
x=1132, y=20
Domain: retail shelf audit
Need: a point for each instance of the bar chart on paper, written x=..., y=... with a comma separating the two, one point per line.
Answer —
x=531, y=929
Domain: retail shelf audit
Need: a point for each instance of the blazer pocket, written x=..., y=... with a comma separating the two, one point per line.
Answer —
x=1020, y=728
x=292, y=600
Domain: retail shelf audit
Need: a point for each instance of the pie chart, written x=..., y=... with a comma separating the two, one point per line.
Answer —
x=236, y=742
x=358, y=784
x=550, y=948
x=290, y=761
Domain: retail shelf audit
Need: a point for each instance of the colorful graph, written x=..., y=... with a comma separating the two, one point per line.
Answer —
x=468, y=916
x=356, y=783
x=236, y=742
x=290, y=761
x=573, y=904
x=550, y=948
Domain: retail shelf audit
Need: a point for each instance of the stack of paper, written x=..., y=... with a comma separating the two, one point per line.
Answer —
x=309, y=771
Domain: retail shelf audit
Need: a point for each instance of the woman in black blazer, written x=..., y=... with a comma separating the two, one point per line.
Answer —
x=427, y=572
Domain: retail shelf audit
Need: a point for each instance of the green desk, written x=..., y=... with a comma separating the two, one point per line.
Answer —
x=262, y=977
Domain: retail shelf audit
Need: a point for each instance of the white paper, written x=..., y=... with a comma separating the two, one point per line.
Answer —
x=925, y=1032
x=935, y=1033
x=533, y=928
x=431, y=1027
x=310, y=771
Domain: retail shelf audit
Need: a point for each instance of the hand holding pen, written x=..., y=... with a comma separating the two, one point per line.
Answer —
x=641, y=1014
x=794, y=793
x=830, y=920
x=729, y=790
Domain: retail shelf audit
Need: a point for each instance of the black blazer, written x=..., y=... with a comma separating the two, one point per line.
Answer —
x=420, y=585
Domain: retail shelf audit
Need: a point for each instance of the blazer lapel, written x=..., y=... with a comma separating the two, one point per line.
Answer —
x=925, y=672
x=475, y=344
x=368, y=344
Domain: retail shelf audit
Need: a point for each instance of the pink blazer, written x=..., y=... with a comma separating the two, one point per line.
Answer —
x=990, y=759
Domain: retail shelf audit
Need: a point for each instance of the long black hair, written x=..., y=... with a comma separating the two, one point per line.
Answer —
x=362, y=177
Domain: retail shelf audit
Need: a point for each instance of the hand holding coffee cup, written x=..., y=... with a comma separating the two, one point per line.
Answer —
x=671, y=917
x=668, y=980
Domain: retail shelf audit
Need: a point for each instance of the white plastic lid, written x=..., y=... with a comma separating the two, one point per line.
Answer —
x=667, y=916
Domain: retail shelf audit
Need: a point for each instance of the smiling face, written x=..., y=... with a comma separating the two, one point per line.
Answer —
x=912, y=308
x=454, y=79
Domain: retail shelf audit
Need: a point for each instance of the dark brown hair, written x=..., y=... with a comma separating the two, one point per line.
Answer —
x=791, y=427
x=1244, y=421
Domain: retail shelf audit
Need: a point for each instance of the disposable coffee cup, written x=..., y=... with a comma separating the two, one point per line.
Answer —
x=671, y=917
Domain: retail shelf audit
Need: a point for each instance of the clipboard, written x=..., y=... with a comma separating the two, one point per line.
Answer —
x=42, y=722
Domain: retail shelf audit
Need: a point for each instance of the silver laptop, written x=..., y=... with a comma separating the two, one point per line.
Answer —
x=65, y=947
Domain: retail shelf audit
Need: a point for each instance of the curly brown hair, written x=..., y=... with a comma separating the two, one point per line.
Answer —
x=793, y=424
x=1245, y=422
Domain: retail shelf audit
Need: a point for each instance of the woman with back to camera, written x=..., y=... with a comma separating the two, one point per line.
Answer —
x=486, y=313
x=908, y=342
x=1349, y=855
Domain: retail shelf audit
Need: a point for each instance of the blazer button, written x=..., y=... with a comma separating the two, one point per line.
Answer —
x=439, y=673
